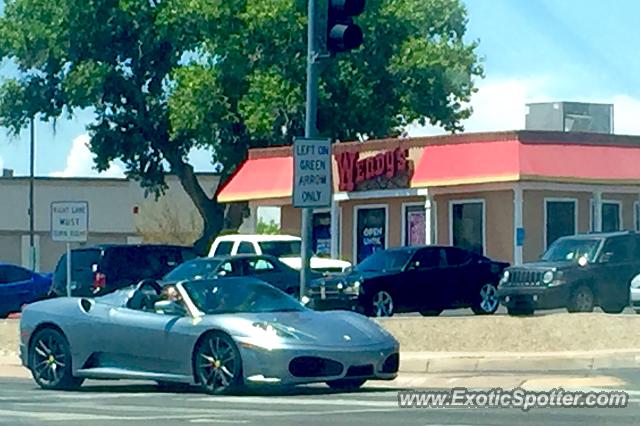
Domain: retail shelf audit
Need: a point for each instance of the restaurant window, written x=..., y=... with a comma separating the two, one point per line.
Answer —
x=414, y=225
x=611, y=217
x=371, y=231
x=636, y=215
x=560, y=219
x=322, y=234
x=467, y=225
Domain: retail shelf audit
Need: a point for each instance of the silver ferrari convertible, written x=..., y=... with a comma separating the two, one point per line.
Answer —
x=218, y=334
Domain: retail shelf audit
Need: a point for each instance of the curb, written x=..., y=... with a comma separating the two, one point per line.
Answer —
x=416, y=363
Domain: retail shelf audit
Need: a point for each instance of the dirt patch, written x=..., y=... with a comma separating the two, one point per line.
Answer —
x=9, y=337
x=501, y=333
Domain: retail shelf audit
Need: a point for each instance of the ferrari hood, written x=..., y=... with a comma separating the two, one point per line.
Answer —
x=328, y=328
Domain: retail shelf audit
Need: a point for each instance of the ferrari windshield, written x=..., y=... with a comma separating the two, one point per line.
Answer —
x=225, y=296
x=193, y=269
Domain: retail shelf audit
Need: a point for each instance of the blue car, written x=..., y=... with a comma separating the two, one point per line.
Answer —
x=20, y=286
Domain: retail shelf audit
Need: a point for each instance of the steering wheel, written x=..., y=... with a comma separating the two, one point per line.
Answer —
x=145, y=284
x=144, y=296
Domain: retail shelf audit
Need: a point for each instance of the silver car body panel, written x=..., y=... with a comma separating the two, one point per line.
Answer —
x=111, y=341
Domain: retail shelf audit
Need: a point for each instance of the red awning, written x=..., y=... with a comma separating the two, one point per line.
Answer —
x=512, y=160
x=260, y=178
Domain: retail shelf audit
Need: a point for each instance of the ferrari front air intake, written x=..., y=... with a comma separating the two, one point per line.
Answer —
x=311, y=366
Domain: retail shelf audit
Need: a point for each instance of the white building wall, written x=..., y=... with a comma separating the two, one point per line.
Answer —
x=112, y=218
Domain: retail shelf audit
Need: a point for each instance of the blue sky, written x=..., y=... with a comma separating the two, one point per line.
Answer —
x=534, y=50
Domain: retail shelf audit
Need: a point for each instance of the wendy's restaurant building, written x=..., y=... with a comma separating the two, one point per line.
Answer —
x=507, y=195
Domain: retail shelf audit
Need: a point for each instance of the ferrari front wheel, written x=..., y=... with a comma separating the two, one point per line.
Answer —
x=218, y=366
x=346, y=384
x=50, y=361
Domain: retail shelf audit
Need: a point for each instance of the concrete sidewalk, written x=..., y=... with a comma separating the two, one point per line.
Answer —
x=470, y=362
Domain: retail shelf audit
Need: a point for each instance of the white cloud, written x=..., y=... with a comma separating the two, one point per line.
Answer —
x=80, y=162
x=626, y=115
x=500, y=105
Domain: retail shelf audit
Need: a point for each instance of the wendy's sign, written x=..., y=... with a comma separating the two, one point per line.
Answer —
x=353, y=171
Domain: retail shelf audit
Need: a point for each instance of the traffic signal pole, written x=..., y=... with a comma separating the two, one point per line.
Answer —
x=310, y=131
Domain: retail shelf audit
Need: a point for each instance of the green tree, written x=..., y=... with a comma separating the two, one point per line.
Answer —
x=267, y=228
x=166, y=76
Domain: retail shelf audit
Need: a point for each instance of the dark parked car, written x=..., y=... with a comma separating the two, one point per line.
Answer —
x=264, y=267
x=104, y=268
x=577, y=273
x=409, y=279
x=20, y=286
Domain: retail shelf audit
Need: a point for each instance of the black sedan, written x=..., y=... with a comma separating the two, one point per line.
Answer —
x=264, y=267
x=412, y=279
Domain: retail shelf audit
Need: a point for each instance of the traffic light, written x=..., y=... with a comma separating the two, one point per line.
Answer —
x=342, y=34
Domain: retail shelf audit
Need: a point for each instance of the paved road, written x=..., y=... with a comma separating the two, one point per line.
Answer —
x=123, y=403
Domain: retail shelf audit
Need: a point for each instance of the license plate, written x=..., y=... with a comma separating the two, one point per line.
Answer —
x=323, y=293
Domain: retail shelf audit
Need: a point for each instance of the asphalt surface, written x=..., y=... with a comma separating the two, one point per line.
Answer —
x=124, y=403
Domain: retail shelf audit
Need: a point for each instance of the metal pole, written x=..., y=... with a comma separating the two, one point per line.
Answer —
x=310, y=131
x=32, y=254
x=68, y=269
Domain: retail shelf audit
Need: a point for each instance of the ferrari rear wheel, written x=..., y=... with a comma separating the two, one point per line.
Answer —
x=50, y=361
x=346, y=384
x=218, y=367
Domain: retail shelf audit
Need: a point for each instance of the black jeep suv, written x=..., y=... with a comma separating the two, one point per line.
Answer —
x=576, y=272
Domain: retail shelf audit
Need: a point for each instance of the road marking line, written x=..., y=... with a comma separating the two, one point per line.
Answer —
x=297, y=401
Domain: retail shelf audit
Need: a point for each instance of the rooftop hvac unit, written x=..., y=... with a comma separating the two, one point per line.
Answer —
x=570, y=117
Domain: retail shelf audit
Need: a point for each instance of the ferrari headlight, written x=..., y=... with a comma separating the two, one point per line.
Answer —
x=547, y=278
x=274, y=330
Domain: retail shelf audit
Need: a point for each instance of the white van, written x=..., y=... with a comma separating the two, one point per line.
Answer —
x=287, y=248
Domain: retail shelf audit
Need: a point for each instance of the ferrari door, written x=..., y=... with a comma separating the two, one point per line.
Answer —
x=148, y=341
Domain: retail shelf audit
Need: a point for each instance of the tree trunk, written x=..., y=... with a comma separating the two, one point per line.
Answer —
x=211, y=212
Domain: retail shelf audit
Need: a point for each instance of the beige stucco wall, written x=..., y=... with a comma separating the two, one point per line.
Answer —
x=10, y=248
x=533, y=218
x=498, y=226
x=290, y=220
x=628, y=201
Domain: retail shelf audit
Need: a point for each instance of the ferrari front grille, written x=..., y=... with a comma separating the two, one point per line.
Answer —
x=360, y=371
x=311, y=366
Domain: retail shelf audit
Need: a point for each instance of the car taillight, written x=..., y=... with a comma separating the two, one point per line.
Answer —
x=99, y=281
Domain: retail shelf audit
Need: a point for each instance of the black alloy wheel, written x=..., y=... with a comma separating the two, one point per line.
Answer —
x=488, y=301
x=50, y=361
x=218, y=367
